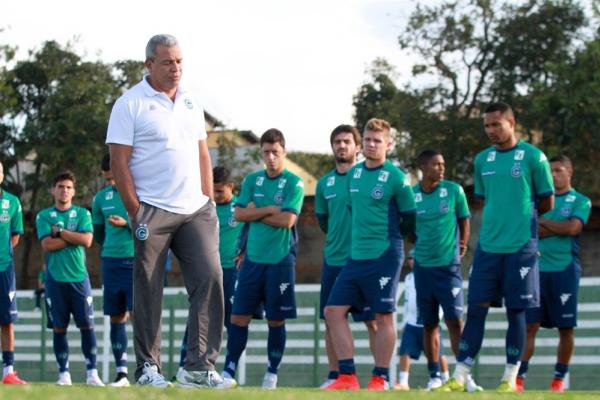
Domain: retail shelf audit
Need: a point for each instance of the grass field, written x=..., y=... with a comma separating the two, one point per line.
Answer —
x=49, y=391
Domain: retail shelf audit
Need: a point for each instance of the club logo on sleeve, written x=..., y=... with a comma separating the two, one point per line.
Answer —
x=331, y=181
x=260, y=180
x=524, y=271
x=565, y=211
x=109, y=196
x=383, y=176
x=188, y=103
x=443, y=192
x=357, y=173
x=515, y=171
x=5, y=204
x=283, y=287
x=491, y=156
x=377, y=192
x=281, y=183
x=383, y=281
x=519, y=155
x=418, y=197
x=142, y=232
x=564, y=298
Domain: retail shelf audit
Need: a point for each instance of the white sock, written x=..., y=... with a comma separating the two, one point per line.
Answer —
x=510, y=373
x=460, y=372
x=92, y=373
x=445, y=376
x=403, y=378
x=122, y=369
x=7, y=370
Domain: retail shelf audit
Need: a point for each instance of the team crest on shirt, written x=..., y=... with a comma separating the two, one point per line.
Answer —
x=4, y=218
x=109, y=196
x=188, y=103
x=377, y=192
x=281, y=183
x=516, y=171
x=357, y=173
x=565, y=211
x=443, y=192
x=5, y=204
x=232, y=222
x=142, y=232
x=418, y=197
x=260, y=180
x=278, y=198
x=72, y=225
x=491, y=156
x=331, y=181
x=519, y=155
x=383, y=176
x=564, y=298
x=444, y=207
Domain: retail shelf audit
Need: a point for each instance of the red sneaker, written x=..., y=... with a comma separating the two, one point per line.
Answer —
x=520, y=384
x=344, y=382
x=557, y=385
x=13, y=379
x=378, y=383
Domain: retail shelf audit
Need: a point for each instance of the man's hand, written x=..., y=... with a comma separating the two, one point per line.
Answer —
x=116, y=220
x=55, y=231
x=238, y=260
x=463, y=250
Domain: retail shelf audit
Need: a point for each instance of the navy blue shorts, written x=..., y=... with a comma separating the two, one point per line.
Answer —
x=371, y=283
x=8, y=296
x=66, y=298
x=558, y=298
x=438, y=286
x=513, y=276
x=269, y=284
x=411, y=342
x=328, y=276
x=117, y=282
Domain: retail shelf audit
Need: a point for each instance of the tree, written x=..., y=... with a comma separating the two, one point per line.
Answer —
x=317, y=164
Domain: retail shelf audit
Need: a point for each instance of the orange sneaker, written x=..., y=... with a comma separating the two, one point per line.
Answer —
x=520, y=384
x=557, y=385
x=378, y=383
x=13, y=379
x=344, y=382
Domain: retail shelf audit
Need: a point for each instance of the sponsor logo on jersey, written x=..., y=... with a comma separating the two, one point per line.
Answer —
x=357, y=173
x=331, y=181
x=565, y=211
x=519, y=155
x=488, y=173
x=283, y=287
x=384, y=280
x=188, y=103
x=141, y=232
x=232, y=222
x=52, y=214
x=418, y=197
x=524, y=271
x=72, y=214
x=570, y=198
x=330, y=196
x=281, y=183
x=5, y=204
x=109, y=196
x=260, y=180
x=278, y=198
x=443, y=192
x=515, y=171
x=491, y=156
x=456, y=291
x=444, y=207
x=383, y=176
x=377, y=192
x=564, y=298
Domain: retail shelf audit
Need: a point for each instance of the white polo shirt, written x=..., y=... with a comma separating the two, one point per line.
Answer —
x=164, y=136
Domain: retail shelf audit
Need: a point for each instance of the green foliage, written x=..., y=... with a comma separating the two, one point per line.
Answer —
x=317, y=164
x=239, y=160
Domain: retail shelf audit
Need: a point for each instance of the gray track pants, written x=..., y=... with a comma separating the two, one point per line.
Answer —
x=194, y=239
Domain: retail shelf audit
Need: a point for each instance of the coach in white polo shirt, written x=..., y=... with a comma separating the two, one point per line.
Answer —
x=162, y=167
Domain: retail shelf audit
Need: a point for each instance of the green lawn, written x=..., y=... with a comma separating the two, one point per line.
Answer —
x=79, y=392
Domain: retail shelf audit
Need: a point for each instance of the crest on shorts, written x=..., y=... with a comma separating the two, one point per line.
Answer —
x=188, y=103
x=141, y=232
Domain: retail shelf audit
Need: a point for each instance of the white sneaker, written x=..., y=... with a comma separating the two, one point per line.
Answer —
x=64, y=379
x=93, y=379
x=326, y=383
x=269, y=381
x=204, y=379
x=120, y=381
x=434, y=383
x=471, y=386
x=151, y=377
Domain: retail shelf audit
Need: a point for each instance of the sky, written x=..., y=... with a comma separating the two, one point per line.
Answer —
x=255, y=64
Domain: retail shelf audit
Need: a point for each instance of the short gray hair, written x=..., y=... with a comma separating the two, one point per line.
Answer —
x=163, y=40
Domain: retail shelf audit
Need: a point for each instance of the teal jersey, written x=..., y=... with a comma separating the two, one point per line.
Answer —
x=229, y=233
x=437, y=227
x=331, y=201
x=558, y=252
x=66, y=264
x=11, y=223
x=118, y=240
x=509, y=181
x=378, y=197
x=268, y=244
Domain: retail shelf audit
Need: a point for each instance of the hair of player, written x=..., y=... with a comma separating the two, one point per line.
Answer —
x=427, y=155
x=501, y=107
x=159, y=40
x=344, y=128
x=377, y=125
x=272, y=136
x=563, y=159
x=105, y=164
x=64, y=176
x=221, y=175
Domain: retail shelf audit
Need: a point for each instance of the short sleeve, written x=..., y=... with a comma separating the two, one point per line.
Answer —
x=85, y=222
x=582, y=209
x=44, y=228
x=245, y=196
x=294, y=196
x=320, y=203
x=405, y=197
x=542, y=176
x=97, y=216
x=461, y=206
x=479, y=187
x=16, y=220
x=120, y=125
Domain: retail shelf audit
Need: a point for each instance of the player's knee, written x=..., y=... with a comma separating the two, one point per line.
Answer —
x=384, y=319
x=371, y=326
x=59, y=330
x=240, y=320
x=118, y=319
x=275, y=323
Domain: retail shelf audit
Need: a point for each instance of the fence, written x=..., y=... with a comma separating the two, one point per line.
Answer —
x=305, y=361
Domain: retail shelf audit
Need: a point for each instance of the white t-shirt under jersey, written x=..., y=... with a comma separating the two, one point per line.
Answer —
x=164, y=136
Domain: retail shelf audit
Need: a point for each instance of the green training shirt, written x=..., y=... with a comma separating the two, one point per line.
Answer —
x=67, y=264
x=118, y=240
x=437, y=228
x=557, y=251
x=510, y=181
x=377, y=198
x=229, y=232
x=268, y=244
x=331, y=200
x=11, y=223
